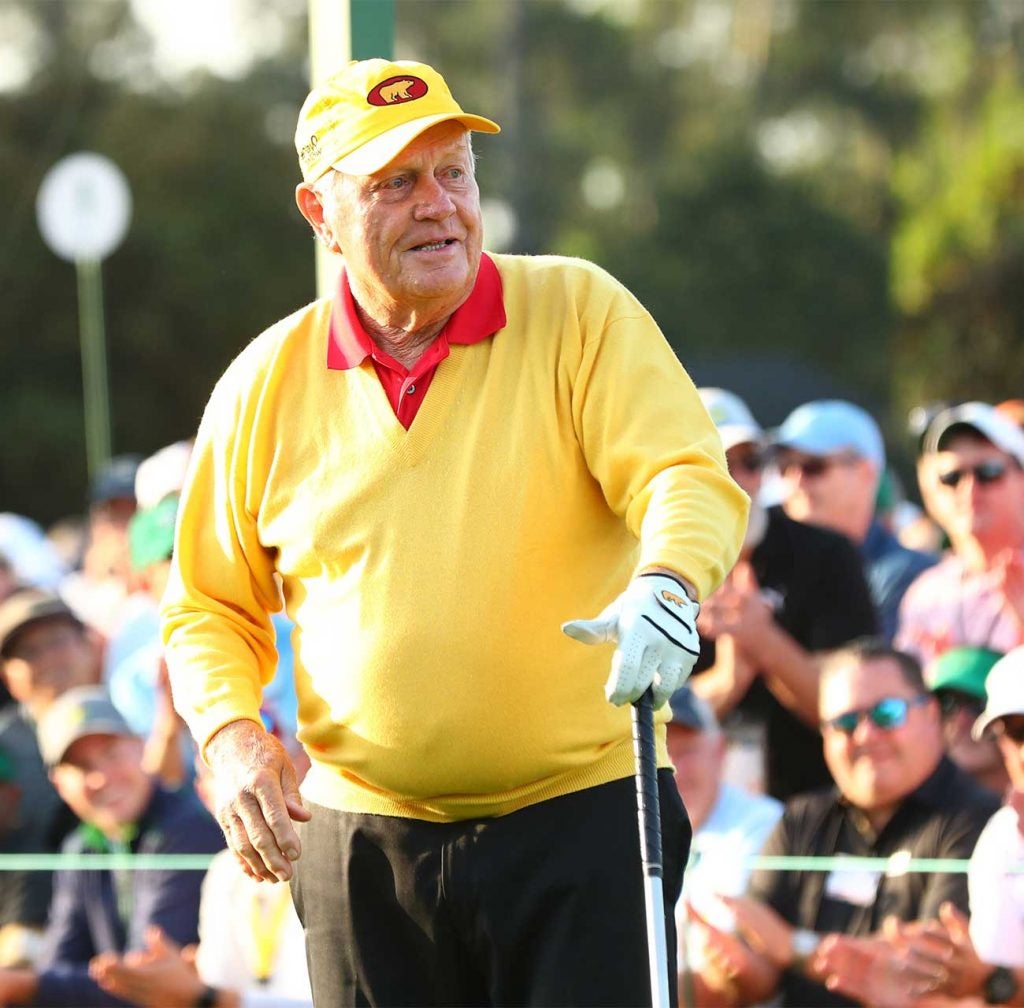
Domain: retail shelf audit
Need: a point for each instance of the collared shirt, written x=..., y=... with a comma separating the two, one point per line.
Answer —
x=941, y=818
x=890, y=568
x=481, y=315
x=948, y=606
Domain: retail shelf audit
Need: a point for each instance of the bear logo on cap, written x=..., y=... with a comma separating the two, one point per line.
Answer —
x=396, y=90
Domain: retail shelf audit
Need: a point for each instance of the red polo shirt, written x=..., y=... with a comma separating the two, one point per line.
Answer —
x=481, y=315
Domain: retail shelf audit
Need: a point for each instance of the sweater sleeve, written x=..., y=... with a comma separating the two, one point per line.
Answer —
x=216, y=626
x=649, y=442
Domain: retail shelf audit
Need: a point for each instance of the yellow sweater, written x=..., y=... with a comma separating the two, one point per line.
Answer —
x=428, y=571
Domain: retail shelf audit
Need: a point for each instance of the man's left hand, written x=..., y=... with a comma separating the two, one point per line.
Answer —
x=654, y=623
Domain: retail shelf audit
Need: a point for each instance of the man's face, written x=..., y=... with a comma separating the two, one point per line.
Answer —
x=411, y=233
x=820, y=488
x=875, y=767
x=102, y=781
x=959, y=712
x=745, y=463
x=697, y=758
x=980, y=492
x=46, y=658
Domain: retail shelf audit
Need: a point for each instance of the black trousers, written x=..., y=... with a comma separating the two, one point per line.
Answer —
x=544, y=906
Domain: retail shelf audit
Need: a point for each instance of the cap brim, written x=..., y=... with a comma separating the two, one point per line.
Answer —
x=737, y=434
x=991, y=714
x=383, y=149
x=106, y=727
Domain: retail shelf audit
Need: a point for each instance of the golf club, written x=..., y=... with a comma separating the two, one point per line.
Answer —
x=649, y=817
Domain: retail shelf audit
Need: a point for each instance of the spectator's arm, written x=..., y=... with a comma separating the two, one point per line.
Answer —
x=163, y=757
x=18, y=987
x=726, y=682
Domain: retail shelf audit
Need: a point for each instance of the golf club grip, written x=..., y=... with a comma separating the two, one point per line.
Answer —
x=648, y=807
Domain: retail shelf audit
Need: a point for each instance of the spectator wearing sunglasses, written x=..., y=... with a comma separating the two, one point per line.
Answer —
x=975, y=595
x=980, y=958
x=831, y=459
x=797, y=591
x=896, y=794
x=957, y=679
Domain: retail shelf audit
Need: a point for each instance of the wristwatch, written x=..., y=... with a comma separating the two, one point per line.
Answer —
x=1000, y=986
x=803, y=945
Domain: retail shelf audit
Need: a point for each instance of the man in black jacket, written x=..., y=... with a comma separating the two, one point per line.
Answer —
x=797, y=591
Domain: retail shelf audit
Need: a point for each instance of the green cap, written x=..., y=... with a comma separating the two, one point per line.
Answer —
x=964, y=669
x=151, y=533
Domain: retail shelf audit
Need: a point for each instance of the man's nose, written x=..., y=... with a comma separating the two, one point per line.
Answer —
x=433, y=201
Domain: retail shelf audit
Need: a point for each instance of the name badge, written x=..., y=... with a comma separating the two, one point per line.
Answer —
x=858, y=886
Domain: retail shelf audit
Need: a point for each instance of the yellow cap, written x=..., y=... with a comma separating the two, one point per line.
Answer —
x=360, y=118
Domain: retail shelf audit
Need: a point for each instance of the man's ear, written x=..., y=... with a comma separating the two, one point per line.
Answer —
x=311, y=207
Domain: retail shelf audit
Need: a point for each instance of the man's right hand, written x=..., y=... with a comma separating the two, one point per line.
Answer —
x=257, y=797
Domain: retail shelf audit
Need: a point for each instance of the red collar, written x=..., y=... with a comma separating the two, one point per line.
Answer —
x=481, y=315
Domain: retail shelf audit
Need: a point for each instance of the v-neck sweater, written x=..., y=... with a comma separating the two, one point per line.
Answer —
x=428, y=571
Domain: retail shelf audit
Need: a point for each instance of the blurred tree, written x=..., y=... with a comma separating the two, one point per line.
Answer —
x=958, y=252
x=216, y=250
x=731, y=160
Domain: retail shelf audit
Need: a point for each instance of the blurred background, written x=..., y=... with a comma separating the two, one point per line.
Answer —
x=813, y=197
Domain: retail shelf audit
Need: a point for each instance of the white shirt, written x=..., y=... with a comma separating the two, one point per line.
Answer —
x=996, y=893
x=720, y=854
x=235, y=913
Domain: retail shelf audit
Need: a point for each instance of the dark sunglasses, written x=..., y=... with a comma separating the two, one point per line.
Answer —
x=752, y=461
x=888, y=713
x=953, y=701
x=812, y=466
x=990, y=471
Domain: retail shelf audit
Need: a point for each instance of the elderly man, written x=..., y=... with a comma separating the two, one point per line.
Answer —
x=44, y=651
x=831, y=458
x=896, y=794
x=797, y=591
x=975, y=596
x=437, y=467
x=95, y=763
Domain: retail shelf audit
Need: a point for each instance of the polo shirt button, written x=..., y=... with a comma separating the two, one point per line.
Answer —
x=410, y=390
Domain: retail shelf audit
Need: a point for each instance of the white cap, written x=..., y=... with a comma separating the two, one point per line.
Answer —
x=729, y=413
x=990, y=423
x=1004, y=690
x=161, y=474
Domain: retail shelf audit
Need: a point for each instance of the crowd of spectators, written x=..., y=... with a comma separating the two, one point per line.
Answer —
x=860, y=694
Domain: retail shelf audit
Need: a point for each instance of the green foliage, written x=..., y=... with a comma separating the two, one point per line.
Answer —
x=958, y=251
x=811, y=197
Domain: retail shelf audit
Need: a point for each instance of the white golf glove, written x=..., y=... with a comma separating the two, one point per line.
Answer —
x=654, y=623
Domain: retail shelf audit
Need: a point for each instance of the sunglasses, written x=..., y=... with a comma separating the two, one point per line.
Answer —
x=812, y=466
x=888, y=713
x=987, y=472
x=951, y=702
x=751, y=461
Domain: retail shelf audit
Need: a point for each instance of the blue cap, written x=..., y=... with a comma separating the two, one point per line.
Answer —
x=828, y=426
x=691, y=711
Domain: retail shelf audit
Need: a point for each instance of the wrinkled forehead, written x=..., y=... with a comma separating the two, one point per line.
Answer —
x=855, y=685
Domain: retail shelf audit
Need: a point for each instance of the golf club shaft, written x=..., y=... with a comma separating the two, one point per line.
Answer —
x=649, y=819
